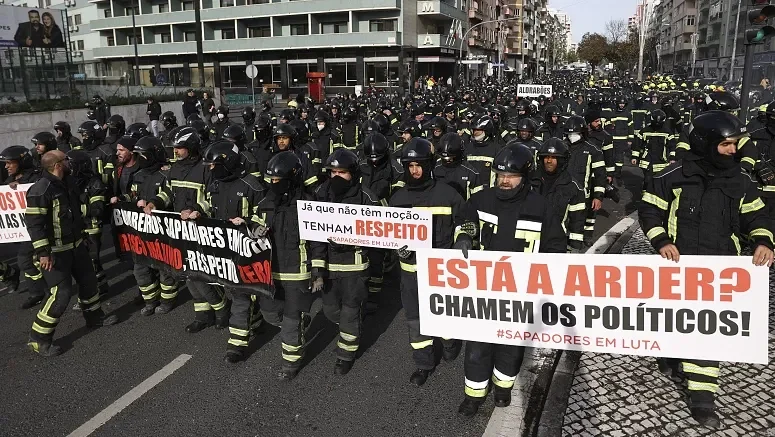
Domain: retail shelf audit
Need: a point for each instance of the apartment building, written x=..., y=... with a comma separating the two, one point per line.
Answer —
x=525, y=45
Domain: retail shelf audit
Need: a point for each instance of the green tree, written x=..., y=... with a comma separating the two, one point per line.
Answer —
x=593, y=48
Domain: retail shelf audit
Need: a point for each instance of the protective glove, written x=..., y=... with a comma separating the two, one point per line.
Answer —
x=316, y=280
x=257, y=231
x=464, y=244
x=469, y=228
x=766, y=175
x=404, y=253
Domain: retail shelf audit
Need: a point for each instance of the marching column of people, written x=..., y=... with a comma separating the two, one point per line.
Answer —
x=497, y=171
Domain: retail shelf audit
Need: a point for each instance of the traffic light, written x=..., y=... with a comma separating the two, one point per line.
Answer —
x=759, y=15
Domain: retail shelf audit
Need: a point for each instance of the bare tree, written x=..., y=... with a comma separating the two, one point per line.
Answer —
x=616, y=31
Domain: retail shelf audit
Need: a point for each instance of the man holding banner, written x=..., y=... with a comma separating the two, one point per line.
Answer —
x=340, y=271
x=423, y=192
x=509, y=217
x=707, y=189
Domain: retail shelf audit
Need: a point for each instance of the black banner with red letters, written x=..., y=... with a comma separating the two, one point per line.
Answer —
x=205, y=249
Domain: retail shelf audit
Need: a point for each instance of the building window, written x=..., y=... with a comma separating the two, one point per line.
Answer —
x=79, y=44
x=227, y=3
x=333, y=27
x=233, y=76
x=299, y=29
x=131, y=39
x=128, y=11
x=382, y=73
x=690, y=20
x=164, y=7
x=48, y=3
x=70, y=20
x=267, y=74
x=341, y=74
x=189, y=36
x=227, y=33
x=259, y=32
x=188, y=6
x=166, y=37
x=77, y=19
x=297, y=73
x=383, y=25
x=107, y=13
x=111, y=41
x=258, y=2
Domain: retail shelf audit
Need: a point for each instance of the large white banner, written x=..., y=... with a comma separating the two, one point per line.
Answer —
x=705, y=307
x=31, y=27
x=528, y=90
x=12, y=206
x=369, y=226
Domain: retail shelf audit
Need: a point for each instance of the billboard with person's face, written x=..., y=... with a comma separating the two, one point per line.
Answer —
x=34, y=28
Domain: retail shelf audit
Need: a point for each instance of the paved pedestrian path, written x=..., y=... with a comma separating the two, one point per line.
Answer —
x=618, y=395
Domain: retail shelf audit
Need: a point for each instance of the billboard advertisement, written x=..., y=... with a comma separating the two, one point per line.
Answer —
x=31, y=27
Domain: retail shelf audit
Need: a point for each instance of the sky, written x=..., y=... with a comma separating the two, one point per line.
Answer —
x=591, y=15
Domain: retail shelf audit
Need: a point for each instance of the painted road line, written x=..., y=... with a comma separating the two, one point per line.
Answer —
x=124, y=401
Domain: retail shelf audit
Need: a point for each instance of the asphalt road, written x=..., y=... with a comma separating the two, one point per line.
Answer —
x=207, y=396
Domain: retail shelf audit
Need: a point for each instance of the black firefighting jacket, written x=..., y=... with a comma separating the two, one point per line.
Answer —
x=53, y=214
x=462, y=177
x=566, y=200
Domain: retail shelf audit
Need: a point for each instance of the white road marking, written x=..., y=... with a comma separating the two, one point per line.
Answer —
x=124, y=401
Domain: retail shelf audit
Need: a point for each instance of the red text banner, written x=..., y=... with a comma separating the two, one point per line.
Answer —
x=13, y=204
x=705, y=307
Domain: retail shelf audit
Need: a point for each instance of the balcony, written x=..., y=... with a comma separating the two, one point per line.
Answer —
x=295, y=8
x=329, y=40
x=475, y=13
x=440, y=10
x=162, y=19
x=127, y=51
x=435, y=40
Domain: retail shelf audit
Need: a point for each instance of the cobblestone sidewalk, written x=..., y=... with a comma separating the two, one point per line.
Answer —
x=618, y=395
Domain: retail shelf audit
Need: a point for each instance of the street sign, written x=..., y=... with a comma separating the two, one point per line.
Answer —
x=161, y=79
x=251, y=71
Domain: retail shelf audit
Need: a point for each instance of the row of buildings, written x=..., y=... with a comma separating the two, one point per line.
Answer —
x=385, y=43
x=702, y=34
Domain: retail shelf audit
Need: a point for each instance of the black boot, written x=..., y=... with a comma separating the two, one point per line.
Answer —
x=31, y=302
x=198, y=325
x=706, y=417
x=47, y=350
x=102, y=321
x=11, y=281
x=502, y=396
x=450, y=353
x=288, y=374
x=150, y=308
x=234, y=356
x=669, y=367
x=470, y=406
x=420, y=376
x=343, y=367
x=164, y=308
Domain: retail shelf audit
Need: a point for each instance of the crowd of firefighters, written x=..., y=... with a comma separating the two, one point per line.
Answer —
x=496, y=170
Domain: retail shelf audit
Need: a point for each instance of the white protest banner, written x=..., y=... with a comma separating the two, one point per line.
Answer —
x=705, y=307
x=12, y=206
x=369, y=226
x=529, y=90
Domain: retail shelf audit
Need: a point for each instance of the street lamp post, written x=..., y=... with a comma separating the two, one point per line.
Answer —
x=459, y=64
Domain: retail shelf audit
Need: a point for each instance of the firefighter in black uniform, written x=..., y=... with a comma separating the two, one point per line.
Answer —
x=382, y=175
x=21, y=170
x=285, y=139
x=507, y=217
x=236, y=135
x=232, y=195
x=598, y=137
x=262, y=140
x=349, y=129
x=340, y=271
x=326, y=137
x=526, y=129
x=482, y=149
x=94, y=202
x=56, y=230
x=248, y=121
x=116, y=129
x=620, y=126
x=654, y=145
x=764, y=168
x=409, y=129
x=716, y=203
x=65, y=139
x=436, y=129
x=422, y=192
x=220, y=124
x=552, y=128
x=101, y=155
x=158, y=287
x=587, y=167
x=276, y=217
x=566, y=197
x=452, y=168
x=185, y=193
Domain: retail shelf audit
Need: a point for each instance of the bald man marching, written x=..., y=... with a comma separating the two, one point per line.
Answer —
x=56, y=229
